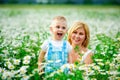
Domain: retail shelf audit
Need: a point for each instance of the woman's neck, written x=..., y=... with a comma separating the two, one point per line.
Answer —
x=79, y=48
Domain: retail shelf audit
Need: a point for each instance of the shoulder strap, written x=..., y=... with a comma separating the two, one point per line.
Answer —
x=85, y=55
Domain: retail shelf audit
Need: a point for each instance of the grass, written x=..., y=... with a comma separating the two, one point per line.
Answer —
x=23, y=28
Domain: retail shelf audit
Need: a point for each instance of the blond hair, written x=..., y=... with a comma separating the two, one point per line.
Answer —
x=77, y=25
x=58, y=18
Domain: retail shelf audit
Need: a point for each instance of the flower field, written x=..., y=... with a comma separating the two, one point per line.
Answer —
x=23, y=28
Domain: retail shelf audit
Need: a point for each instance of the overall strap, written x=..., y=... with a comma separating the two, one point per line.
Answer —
x=64, y=53
x=50, y=46
x=64, y=46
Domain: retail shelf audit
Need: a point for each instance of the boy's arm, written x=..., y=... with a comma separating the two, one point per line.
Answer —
x=40, y=59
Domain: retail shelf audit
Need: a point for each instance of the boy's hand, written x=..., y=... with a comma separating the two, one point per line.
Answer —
x=40, y=68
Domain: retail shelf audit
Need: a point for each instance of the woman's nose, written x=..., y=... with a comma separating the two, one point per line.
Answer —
x=60, y=29
x=77, y=35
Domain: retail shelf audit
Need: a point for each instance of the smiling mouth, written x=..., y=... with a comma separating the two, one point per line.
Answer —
x=77, y=40
x=59, y=34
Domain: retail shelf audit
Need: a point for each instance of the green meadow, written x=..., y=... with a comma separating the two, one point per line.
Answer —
x=23, y=28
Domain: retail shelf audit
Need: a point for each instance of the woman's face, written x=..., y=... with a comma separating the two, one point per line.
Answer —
x=78, y=36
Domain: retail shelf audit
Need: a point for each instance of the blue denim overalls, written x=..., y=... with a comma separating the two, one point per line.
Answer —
x=56, y=57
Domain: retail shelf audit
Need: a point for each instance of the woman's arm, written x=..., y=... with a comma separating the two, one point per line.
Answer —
x=88, y=59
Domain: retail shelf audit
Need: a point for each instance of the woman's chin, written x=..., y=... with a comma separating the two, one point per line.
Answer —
x=76, y=43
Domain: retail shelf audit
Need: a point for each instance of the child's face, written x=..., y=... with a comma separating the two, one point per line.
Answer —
x=58, y=29
x=78, y=36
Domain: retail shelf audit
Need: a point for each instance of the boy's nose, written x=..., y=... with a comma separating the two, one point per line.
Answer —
x=60, y=29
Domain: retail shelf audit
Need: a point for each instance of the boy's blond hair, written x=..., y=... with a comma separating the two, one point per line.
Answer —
x=58, y=18
x=77, y=25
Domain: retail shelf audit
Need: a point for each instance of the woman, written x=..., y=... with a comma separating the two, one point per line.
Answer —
x=78, y=37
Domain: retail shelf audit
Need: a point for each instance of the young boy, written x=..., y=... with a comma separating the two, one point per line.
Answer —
x=55, y=50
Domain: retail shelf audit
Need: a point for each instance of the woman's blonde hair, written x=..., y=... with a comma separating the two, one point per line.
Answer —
x=77, y=25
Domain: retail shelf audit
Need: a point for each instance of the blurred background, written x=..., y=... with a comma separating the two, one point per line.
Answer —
x=24, y=25
x=60, y=1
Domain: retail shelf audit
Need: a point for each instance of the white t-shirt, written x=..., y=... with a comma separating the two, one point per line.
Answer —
x=55, y=43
